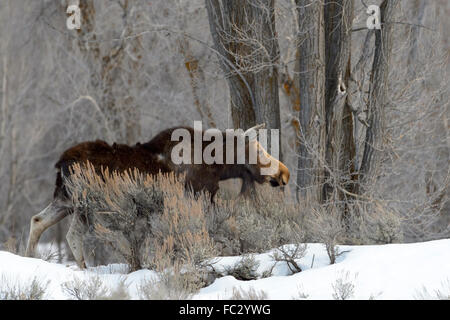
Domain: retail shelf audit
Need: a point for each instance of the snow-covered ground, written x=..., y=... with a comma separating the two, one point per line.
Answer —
x=394, y=271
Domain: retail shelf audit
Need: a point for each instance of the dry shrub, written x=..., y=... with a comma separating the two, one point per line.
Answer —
x=182, y=266
x=49, y=254
x=250, y=294
x=249, y=225
x=89, y=289
x=351, y=221
x=93, y=288
x=145, y=218
x=364, y=220
x=438, y=294
x=243, y=225
x=181, y=231
x=324, y=225
x=290, y=254
x=152, y=221
x=301, y=294
x=245, y=269
x=11, y=245
x=33, y=290
x=374, y=222
x=142, y=217
x=175, y=281
x=344, y=287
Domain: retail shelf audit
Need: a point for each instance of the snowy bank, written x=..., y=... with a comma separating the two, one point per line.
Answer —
x=394, y=271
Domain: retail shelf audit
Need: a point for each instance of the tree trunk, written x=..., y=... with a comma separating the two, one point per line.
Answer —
x=419, y=9
x=373, y=143
x=197, y=81
x=245, y=38
x=106, y=63
x=340, y=147
x=312, y=99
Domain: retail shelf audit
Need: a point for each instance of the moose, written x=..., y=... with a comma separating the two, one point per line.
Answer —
x=151, y=158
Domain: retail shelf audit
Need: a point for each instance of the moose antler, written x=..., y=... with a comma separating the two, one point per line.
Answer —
x=251, y=133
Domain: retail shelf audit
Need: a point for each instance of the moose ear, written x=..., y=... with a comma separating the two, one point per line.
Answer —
x=252, y=133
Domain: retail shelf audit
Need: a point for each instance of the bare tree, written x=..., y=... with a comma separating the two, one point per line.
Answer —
x=311, y=48
x=245, y=37
x=373, y=144
x=340, y=148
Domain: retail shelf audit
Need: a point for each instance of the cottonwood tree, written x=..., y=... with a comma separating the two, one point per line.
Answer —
x=245, y=38
x=340, y=142
x=311, y=56
x=377, y=99
x=370, y=106
x=327, y=152
x=326, y=148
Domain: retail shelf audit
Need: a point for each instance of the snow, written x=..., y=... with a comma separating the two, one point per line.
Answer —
x=393, y=271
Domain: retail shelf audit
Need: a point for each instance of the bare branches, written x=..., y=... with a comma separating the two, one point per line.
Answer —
x=289, y=254
x=245, y=34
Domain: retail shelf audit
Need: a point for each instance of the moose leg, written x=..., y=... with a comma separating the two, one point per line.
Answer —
x=248, y=191
x=40, y=222
x=75, y=239
x=248, y=187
